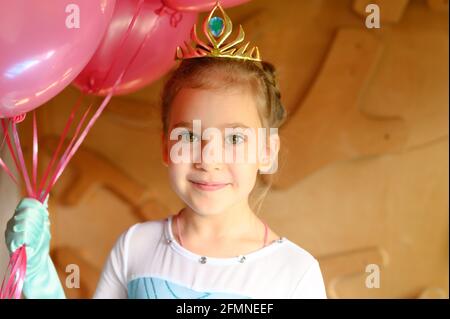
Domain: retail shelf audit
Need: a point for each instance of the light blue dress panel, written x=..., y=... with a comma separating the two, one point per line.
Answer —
x=157, y=288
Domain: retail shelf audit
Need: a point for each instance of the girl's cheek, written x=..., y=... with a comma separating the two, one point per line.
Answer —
x=244, y=175
x=177, y=174
x=179, y=170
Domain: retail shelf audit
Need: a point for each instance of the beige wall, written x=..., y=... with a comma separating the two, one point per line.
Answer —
x=364, y=164
x=9, y=197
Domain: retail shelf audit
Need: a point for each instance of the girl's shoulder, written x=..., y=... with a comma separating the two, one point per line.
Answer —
x=140, y=237
x=143, y=233
x=146, y=230
x=295, y=254
x=291, y=250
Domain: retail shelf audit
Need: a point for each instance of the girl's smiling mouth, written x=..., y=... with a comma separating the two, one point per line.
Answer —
x=208, y=186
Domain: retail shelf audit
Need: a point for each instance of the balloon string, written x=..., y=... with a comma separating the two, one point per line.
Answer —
x=23, y=167
x=3, y=164
x=35, y=152
x=77, y=144
x=19, y=272
x=59, y=168
x=60, y=143
x=17, y=264
x=3, y=143
x=15, y=275
x=3, y=292
x=5, y=124
x=75, y=135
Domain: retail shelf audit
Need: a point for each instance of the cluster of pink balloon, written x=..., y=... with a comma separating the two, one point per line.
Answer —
x=42, y=50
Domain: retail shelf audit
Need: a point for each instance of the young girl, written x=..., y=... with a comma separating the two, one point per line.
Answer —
x=216, y=246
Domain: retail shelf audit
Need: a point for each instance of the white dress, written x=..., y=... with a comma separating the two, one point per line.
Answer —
x=147, y=262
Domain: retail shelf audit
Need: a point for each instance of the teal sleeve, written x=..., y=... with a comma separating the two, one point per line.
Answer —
x=30, y=225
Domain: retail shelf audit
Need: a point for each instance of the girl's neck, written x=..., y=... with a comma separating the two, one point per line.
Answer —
x=233, y=223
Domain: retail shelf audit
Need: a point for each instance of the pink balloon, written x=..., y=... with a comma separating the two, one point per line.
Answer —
x=200, y=5
x=165, y=29
x=44, y=45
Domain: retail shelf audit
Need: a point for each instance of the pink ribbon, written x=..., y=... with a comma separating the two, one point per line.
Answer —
x=3, y=164
x=16, y=269
x=63, y=160
x=23, y=167
x=61, y=140
x=35, y=152
x=5, y=124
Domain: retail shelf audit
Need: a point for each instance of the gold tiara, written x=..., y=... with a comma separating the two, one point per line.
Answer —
x=217, y=30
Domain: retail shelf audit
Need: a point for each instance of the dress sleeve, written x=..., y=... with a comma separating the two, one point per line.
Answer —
x=311, y=285
x=113, y=279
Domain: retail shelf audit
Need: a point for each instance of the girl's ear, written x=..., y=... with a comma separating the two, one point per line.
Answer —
x=269, y=163
x=165, y=152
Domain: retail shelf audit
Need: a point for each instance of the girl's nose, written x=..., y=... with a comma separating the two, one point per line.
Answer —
x=210, y=157
x=208, y=166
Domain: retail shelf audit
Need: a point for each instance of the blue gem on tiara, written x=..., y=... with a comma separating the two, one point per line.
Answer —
x=216, y=25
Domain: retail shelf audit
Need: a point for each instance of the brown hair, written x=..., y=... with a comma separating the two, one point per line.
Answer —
x=216, y=73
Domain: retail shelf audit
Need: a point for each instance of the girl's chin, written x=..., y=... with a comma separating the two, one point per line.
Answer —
x=210, y=209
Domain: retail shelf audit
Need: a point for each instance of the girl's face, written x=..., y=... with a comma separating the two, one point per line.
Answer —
x=211, y=186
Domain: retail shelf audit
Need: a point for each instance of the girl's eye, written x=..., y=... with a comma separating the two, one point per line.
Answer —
x=188, y=137
x=235, y=139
